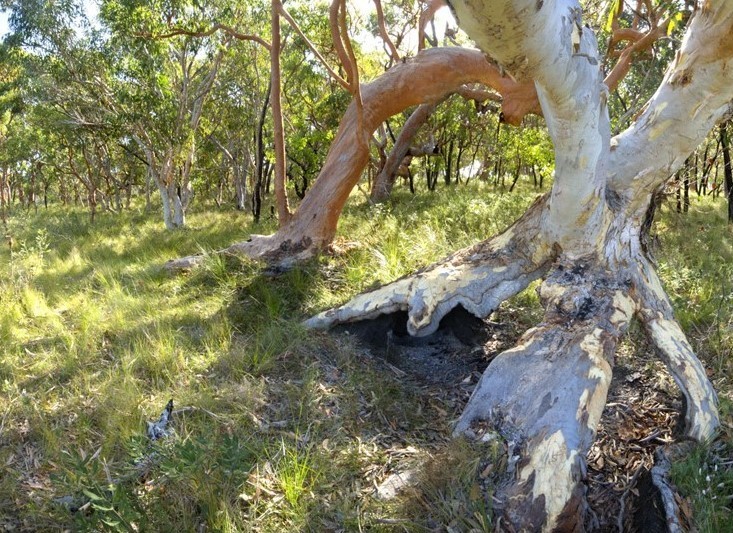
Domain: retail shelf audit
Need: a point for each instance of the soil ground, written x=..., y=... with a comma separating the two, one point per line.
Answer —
x=643, y=411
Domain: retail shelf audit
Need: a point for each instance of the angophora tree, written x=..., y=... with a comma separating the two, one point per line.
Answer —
x=585, y=240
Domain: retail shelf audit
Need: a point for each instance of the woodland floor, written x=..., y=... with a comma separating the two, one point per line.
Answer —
x=281, y=429
x=643, y=411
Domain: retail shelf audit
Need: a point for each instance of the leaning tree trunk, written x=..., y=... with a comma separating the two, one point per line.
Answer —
x=547, y=393
x=384, y=181
x=427, y=78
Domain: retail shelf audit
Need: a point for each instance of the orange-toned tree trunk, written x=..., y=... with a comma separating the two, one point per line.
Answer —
x=427, y=78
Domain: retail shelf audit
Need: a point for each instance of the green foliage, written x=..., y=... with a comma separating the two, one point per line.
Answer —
x=700, y=283
x=707, y=480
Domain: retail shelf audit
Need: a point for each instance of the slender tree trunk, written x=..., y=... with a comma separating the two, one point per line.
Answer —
x=240, y=186
x=128, y=192
x=727, y=169
x=174, y=215
x=281, y=197
x=448, y=170
x=383, y=183
x=148, y=187
x=4, y=195
x=259, y=176
x=700, y=181
x=459, y=156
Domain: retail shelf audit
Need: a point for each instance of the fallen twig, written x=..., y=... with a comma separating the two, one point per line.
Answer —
x=622, y=501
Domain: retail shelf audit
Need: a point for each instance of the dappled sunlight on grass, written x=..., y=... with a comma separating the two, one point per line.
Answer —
x=278, y=426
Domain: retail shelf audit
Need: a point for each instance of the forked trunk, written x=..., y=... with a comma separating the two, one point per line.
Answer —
x=546, y=394
x=174, y=212
x=384, y=181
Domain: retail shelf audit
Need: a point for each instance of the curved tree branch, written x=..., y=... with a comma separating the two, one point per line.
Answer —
x=657, y=316
x=428, y=77
x=426, y=15
x=206, y=33
x=393, y=53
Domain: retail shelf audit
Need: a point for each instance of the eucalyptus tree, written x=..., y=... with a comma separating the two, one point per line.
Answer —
x=584, y=240
x=163, y=77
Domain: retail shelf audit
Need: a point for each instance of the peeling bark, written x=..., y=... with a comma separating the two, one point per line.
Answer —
x=657, y=316
x=550, y=391
x=546, y=395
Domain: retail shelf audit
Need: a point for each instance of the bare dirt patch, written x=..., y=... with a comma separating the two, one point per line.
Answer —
x=642, y=413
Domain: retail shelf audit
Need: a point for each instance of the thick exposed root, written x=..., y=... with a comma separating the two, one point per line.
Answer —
x=657, y=316
x=478, y=278
x=276, y=249
x=548, y=393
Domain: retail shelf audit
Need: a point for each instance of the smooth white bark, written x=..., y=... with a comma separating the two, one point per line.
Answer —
x=697, y=91
x=478, y=278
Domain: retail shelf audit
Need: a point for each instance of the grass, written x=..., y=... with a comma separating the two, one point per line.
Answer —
x=281, y=429
x=696, y=264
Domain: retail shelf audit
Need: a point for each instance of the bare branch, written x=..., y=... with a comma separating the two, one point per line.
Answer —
x=640, y=42
x=426, y=15
x=394, y=54
x=206, y=33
